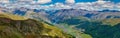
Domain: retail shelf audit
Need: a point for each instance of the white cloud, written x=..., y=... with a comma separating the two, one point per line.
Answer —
x=88, y=6
x=38, y=1
x=24, y=0
x=43, y=1
x=70, y=1
x=4, y=1
x=100, y=0
x=31, y=1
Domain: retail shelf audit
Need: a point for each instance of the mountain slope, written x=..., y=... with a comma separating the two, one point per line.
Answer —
x=107, y=28
x=28, y=28
x=11, y=16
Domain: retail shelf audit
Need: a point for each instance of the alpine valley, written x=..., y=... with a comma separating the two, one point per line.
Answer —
x=100, y=19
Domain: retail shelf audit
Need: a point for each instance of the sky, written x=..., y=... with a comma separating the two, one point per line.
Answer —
x=62, y=1
x=77, y=1
x=62, y=4
x=48, y=2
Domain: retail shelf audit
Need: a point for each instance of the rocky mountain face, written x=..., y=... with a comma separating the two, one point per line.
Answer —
x=30, y=28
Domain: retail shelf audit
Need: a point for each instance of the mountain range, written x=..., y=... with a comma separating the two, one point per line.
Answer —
x=25, y=19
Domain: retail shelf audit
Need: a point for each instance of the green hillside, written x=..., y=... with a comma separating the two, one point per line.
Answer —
x=12, y=26
x=107, y=28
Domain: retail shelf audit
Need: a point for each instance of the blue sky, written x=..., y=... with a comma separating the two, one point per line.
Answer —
x=77, y=1
x=115, y=1
x=63, y=1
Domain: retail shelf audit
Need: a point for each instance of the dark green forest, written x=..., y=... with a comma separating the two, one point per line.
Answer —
x=95, y=28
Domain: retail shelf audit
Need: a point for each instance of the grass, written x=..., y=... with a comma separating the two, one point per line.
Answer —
x=111, y=22
x=54, y=31
x=11, y=16
x=48, y=31
x=2, y=27
x=85, y=36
